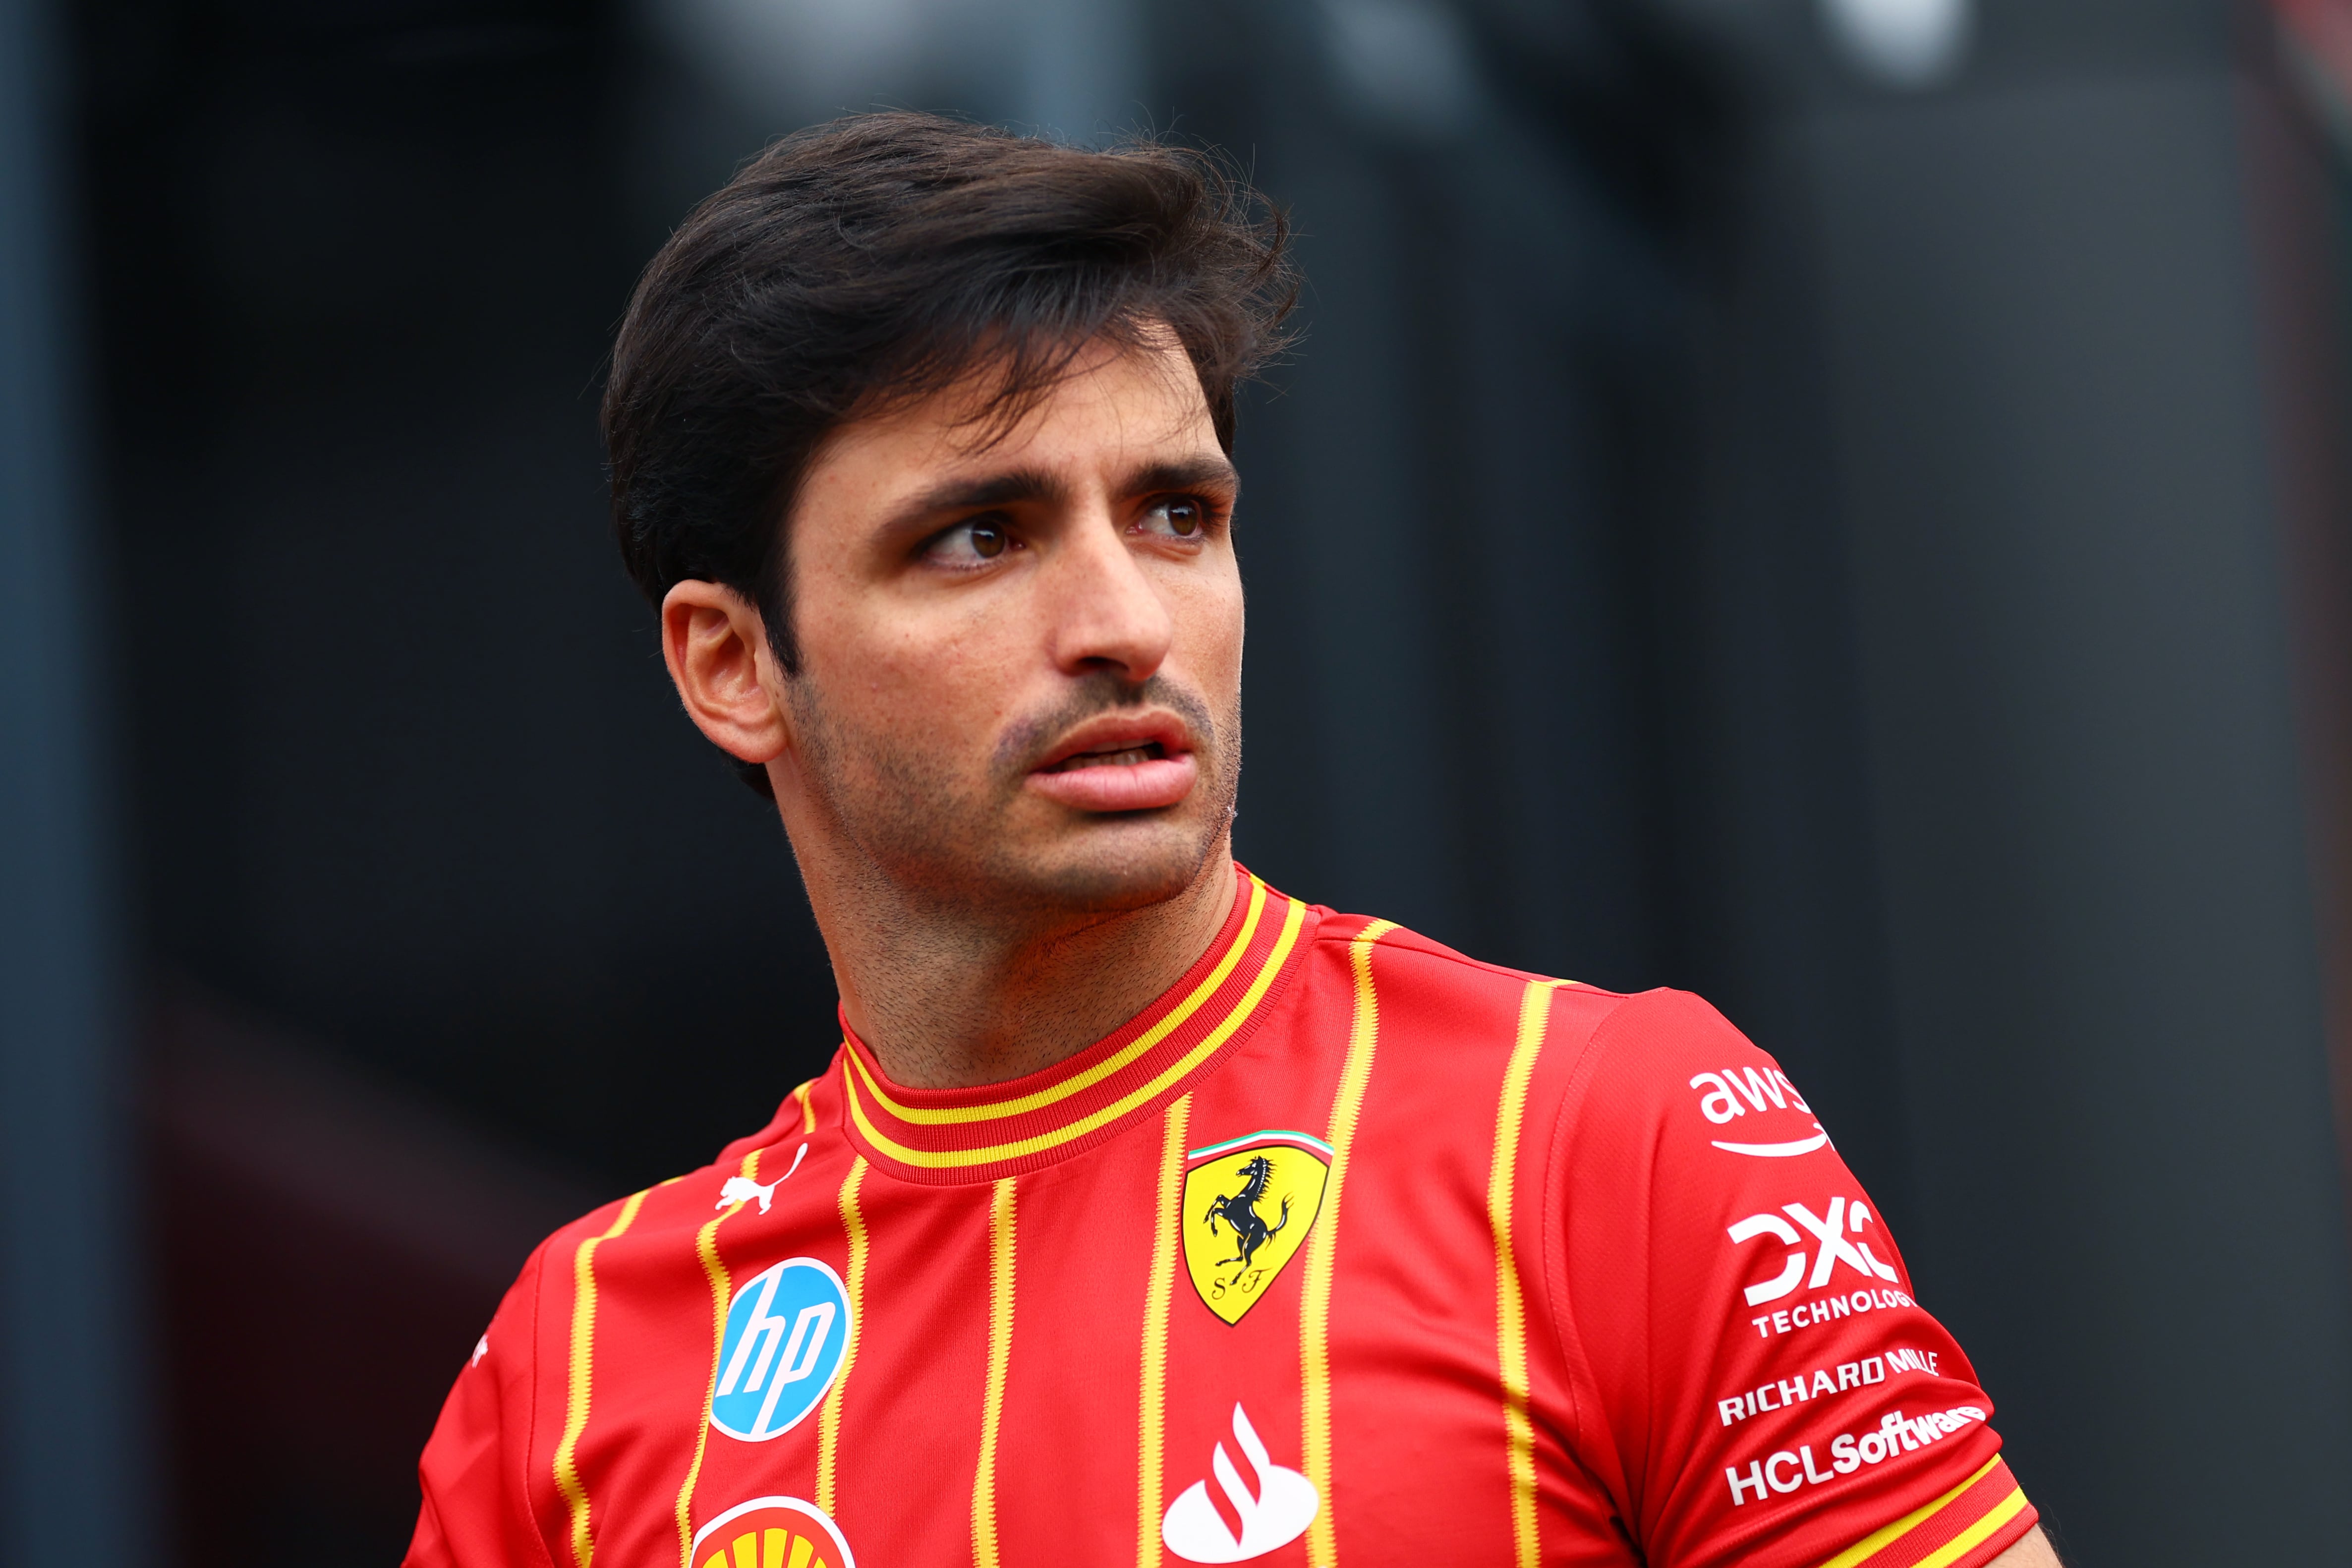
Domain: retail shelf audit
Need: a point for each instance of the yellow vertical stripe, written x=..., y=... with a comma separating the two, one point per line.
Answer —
x=829, y=1416
x=808, y=1111
x=1510, y=1302
x=1153, y=1402
x=706, y=1247
x=583, y=1355
x=1000, y=1357
x=1322, y=1242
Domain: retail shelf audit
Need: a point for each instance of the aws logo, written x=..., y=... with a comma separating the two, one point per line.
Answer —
x=1764, y=1093
x=1248, y=1206
x=771, y=1532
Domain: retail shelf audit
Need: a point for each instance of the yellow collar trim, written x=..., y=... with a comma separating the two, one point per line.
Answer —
x=923, y=1116
x=952, y=1159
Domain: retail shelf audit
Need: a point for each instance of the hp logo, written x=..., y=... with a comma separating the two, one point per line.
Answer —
x=786, y=1331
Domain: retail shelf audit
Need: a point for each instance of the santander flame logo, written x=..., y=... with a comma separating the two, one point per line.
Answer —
x=1276, y=1514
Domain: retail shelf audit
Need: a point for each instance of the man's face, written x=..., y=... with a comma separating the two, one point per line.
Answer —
x=1021, y=679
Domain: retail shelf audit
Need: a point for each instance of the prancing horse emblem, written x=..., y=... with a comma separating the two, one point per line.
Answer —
x=1249, y=1205
x=1240, y=1211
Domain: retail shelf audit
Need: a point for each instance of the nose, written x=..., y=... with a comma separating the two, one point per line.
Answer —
x=1106, y=612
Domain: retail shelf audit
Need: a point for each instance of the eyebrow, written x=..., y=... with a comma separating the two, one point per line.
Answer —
x=995, y=490
x=1202, y=471
x=1208, y=470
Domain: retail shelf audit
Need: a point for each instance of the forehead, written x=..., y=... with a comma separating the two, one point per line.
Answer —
x=1116, y=408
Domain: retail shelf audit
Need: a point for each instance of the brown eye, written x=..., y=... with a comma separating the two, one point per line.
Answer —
x=973, y=542
x=1178, y=517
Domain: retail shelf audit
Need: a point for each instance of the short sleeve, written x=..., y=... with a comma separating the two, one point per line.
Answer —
x=1755, y=1380
x=475, y=1512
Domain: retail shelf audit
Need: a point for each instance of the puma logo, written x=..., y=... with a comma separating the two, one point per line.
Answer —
x=743, y=1189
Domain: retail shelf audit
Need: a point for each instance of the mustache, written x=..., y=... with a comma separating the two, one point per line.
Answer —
x=1026, y=743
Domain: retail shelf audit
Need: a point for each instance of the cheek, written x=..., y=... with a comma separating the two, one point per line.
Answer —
x=949, y=691
x=1210, y=624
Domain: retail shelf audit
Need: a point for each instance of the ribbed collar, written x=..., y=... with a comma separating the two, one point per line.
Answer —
x=1002, y=1129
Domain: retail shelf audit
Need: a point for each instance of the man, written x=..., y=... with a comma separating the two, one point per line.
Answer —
x=1145, y=1214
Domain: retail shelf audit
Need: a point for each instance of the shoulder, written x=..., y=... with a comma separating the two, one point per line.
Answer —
x=598, y=1298
x=1669, y=1057
x=1626, y=1060
x=677, y=1206
x=1404, y=958
x=1401, y=966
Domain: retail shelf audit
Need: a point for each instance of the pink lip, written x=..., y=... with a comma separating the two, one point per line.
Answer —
x=1131, y=787
x=1147, y=785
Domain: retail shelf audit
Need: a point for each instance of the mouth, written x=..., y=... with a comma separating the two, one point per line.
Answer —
x=1114, y=756
x=1119, y=764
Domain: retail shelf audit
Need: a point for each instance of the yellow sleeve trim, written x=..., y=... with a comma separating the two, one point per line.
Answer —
x=1870, y=1545
x=2001, y=1513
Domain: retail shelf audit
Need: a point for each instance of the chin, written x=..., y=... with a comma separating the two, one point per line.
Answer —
x=1114, y=869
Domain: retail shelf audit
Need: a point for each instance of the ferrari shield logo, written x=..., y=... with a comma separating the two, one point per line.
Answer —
x=1248, y=1206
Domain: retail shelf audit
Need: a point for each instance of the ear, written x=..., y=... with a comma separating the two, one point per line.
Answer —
x=716, y=645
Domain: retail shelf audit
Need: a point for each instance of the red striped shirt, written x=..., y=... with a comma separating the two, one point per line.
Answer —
x=1347, y=1249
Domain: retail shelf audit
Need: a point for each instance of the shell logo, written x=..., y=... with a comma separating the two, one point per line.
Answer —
x=771, y=1532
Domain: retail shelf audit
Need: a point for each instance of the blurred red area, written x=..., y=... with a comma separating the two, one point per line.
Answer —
x=329, y=1253
x=2322, y=30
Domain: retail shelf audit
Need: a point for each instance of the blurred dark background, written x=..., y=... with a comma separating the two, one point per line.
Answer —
x=1837, y=505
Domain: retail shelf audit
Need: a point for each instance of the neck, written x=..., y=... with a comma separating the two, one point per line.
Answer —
x=947, y=998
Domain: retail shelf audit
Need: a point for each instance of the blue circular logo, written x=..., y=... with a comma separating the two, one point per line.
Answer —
x=786, y=1331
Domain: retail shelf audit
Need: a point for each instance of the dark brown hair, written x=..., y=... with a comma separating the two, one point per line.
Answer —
x=880, y=258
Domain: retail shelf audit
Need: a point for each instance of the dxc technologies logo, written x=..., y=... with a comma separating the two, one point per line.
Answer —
x=1829, y=1230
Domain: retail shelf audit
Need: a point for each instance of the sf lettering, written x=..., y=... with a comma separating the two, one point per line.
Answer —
x=1241, y=1284
x=1832, y=1230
